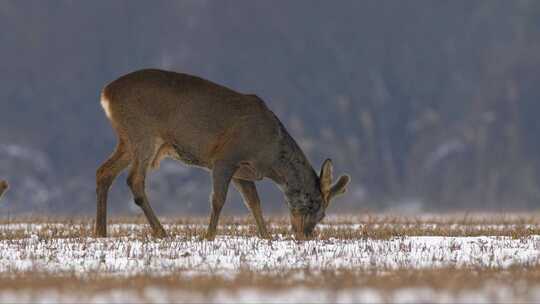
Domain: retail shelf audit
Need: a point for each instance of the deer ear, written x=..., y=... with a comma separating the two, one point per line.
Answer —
x=326, y=177
x=339, y=187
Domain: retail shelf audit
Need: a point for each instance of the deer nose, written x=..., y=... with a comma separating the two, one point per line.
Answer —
x=302, y=234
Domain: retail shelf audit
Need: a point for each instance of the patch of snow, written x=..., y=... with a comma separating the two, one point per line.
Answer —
x=130, y=255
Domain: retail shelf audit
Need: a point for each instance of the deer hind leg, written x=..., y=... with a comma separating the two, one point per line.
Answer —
x=252, y=201
x=163, y=151
x=222, y=174
x=136, y=182
x=105, y=176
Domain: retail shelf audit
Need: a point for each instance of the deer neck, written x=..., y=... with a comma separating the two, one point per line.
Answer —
x=295, y=175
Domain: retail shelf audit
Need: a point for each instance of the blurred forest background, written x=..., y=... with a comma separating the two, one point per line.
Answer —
x=428, y=105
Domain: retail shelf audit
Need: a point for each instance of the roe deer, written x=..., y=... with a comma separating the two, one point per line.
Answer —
x=158, y=114
x=3, y=187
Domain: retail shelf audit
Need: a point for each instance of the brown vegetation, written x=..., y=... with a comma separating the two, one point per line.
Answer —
x=520, y=281
x=439, y=279
x=374, y=226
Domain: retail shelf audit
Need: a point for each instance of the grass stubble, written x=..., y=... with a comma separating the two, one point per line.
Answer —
x=370, y=226
x=439, y=279
x=520, y=279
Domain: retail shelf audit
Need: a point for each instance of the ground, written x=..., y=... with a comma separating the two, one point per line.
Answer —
x=370, y=258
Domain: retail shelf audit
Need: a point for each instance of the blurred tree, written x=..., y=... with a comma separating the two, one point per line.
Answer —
x=432, y=100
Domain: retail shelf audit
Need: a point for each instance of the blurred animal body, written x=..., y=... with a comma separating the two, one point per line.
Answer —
x=158, y=114
x=3, y=187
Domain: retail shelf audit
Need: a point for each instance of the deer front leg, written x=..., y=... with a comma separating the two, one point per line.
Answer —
x=222, y=174
x=252, y=201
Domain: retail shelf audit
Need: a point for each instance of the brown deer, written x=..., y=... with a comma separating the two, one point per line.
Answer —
x=158, y=114
x=3, y=187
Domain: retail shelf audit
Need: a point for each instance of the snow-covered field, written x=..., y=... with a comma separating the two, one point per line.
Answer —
x=26, y=248
x=130, y=255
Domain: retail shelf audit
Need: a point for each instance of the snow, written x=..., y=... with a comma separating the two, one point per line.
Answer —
x=131, y=255
x=34, y=250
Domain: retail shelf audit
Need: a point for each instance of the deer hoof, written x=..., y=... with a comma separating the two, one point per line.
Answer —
x=208, y=237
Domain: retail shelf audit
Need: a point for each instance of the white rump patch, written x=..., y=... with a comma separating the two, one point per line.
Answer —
x=106, y=106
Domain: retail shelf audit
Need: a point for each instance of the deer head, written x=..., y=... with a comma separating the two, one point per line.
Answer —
x=316, y=201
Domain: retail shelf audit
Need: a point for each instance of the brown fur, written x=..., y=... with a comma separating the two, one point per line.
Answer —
x=158, y=114
x=3, y=187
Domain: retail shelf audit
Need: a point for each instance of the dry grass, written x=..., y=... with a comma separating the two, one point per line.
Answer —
x=341, y=227
x=451, y=279
x=519, y=279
